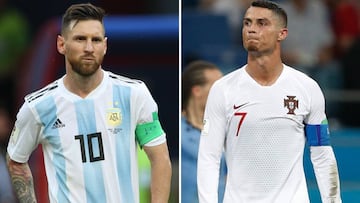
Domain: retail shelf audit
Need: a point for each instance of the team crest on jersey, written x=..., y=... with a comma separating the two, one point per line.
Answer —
x=114, y=117
x=291, y=104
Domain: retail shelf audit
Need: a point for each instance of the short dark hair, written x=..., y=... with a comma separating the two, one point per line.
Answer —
x=274, y=7
x=192, y=75
x=85, y=11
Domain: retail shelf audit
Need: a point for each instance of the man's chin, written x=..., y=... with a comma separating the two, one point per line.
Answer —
x=252, y=48
x=86, y=70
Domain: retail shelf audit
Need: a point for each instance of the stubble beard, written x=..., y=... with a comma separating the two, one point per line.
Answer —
x=252, y=48
x=85, y=69
x=255, y=50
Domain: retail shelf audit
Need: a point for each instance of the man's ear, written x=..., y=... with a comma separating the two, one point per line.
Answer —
x=60, y=43
x=195, y=90
x=105, y=45
x=282, y=34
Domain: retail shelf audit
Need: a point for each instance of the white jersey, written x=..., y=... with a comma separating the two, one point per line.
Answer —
x=89, y=144
x=262, y=129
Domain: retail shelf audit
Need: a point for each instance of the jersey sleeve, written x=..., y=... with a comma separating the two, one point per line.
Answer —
x=326, y=173
x=148, y=128
x=322, y=155
x=211, y=146
x=317, y=105
x=25, y=136
x=316, y=124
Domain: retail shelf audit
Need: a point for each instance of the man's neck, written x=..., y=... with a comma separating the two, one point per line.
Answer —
x=266, y=69
x=194, y=115
x=83, y=86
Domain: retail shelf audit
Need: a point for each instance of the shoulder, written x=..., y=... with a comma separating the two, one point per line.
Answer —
x=43, y=93
x=136, y=87
x=231, y=77
x=299, y=76
x=185, y=123
x=302, y=81
x=122, y=80
x=189, y=131
x=224, y=89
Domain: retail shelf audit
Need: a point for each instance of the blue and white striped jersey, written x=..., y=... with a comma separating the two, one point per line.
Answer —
x=89, y=144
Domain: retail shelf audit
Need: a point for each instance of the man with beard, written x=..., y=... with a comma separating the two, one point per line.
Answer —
x=262, y=114
x=89, y=123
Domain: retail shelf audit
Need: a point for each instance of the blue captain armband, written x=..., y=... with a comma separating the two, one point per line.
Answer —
x=148, y=131
x=317, y=135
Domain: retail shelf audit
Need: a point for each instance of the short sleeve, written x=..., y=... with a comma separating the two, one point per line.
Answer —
x=148, y=126
x=316, y=124
x=317, y=105
x=25, y=135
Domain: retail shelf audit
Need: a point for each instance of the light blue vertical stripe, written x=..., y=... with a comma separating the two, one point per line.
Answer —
x=121, y=99
x=93, y=177
x=47, y=111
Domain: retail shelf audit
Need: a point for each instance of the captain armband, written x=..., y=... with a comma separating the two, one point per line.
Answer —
x=317, y=135
x=148, y=131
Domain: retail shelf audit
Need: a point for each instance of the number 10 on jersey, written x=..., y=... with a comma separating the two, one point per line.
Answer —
x=92, y=145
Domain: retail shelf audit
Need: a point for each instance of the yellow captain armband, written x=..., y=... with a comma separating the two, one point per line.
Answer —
x=146, y=132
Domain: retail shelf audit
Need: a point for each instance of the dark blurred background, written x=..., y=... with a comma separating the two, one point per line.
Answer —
x=143, y=44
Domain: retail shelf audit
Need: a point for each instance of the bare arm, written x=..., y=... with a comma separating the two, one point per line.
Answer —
x=160, y=172
x=22, y=181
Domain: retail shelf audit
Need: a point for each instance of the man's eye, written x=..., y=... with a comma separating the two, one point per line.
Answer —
x=80, y=38
x=262, y=23
x=247, y=23
x=97, y=40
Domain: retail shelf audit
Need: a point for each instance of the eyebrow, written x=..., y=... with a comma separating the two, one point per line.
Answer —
x=257, y=19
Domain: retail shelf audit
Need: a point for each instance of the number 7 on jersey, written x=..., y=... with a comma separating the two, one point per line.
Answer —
x=242, y=117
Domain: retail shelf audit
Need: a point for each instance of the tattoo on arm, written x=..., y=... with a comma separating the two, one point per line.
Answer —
x=22, y=181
